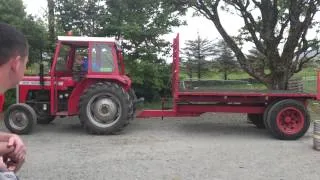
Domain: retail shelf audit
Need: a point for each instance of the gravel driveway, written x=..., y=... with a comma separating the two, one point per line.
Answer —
x=213, y=146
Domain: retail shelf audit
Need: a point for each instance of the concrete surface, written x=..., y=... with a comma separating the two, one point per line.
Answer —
x=214, y=146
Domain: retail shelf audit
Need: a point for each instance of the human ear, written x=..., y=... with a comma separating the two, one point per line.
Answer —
x=15, y=63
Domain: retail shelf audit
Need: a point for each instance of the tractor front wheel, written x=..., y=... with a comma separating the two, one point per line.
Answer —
x=105, y=108
x=20, y=118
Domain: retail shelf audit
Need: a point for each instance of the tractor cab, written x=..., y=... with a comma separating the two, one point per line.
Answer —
x=86, y=79
x=78, y=57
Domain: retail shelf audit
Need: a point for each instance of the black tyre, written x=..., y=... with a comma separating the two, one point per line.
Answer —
x=265, y=114
x=257, y=120
x=20, y=118
x=105, y=108
x=288, y=119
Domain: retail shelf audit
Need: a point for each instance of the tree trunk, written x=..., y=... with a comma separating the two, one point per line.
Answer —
x=225, y=75
x=279, y=81
x=199, y=70
x=51, y=23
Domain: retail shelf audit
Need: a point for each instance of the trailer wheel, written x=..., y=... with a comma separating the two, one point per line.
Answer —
x=20, y=118
x=257, y=120
x=288, y=119
x=105, y=108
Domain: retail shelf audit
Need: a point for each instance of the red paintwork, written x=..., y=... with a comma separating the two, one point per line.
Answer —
x=1, y=102
x=123, y=80
x=164, y=113
x=24, y=89
x=219, y=108
x=75, y=96
x=290, y=120
x=219, y=101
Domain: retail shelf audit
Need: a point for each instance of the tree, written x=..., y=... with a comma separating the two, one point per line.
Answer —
x=197, y=53
x=13, y=12
x=83, y=17
x=278, y=30
x=257, y=59
x=226, y=62
x=141, y=25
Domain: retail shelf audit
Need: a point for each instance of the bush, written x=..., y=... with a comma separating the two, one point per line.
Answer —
x=10, y=98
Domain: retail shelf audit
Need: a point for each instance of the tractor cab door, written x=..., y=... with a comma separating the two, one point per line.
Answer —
x=69, y=68
x=59, y=69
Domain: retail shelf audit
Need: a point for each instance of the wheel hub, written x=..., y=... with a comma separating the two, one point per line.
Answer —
x=287, y=120
x=105, y=109
x=290, y=120
x=18, y=120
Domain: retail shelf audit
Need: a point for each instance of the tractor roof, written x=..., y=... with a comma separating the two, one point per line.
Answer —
x=86, y=39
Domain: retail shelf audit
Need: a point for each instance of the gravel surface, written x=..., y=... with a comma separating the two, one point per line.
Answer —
x=213, y=146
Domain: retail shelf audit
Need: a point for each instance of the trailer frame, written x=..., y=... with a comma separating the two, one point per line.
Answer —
x=195, y=103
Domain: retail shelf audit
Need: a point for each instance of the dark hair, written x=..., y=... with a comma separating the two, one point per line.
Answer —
x=12, y=43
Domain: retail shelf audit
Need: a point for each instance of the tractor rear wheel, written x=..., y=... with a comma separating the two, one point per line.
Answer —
x=105, y=108
x=20, y=118
x=288, y=119
x=257, y=120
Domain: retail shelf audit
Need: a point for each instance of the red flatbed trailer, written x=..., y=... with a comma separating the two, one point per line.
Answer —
x=284, y=113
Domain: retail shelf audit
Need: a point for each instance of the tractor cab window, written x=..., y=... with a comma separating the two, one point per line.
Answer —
x=80, y=62
x=102, y=58
x=62, y=60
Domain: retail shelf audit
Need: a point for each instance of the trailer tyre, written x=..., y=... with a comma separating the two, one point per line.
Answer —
x=257, y=120
x=288, y=119
x=265, y=115
x=20, y=118
x=105, y=108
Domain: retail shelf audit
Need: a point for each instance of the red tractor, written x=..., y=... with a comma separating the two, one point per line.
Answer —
x=86, y=78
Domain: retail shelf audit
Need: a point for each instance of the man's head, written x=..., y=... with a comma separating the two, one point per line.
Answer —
x=14, y=54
